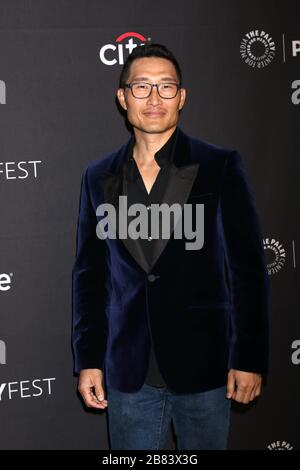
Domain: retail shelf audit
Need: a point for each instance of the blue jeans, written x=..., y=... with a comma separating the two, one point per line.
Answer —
x=141, y=420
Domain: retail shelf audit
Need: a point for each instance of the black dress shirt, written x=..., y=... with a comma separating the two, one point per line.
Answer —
x=136, y=192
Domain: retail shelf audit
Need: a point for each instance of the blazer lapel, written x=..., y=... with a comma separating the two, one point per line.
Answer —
x=112, y=187
x=178, y=191
x=182, y=176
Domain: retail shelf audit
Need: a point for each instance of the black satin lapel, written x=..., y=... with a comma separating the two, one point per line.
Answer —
x=182, y=177
x=112, y=185
x=178, y=191
x=132, y=246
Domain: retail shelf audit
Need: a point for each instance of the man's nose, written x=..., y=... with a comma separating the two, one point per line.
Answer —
x=154, y=96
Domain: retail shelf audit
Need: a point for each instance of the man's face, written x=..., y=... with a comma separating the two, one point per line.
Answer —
x=153, y=114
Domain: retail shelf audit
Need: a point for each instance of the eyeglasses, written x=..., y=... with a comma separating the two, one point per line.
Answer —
x=144, y=90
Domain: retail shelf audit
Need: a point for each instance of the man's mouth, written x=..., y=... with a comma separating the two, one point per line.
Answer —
x=154, y=113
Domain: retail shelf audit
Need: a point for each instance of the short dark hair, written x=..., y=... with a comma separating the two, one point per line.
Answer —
x=148, y=50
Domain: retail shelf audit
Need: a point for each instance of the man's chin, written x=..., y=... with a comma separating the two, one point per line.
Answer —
x=154, y=128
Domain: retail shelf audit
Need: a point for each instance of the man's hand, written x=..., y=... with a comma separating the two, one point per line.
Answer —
x=243, y=387
x=90, y=386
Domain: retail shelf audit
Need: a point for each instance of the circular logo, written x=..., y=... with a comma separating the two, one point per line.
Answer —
x=280, y=445
x=276, y=255
x=257, y=49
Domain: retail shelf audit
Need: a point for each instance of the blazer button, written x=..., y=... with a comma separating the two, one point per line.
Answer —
x=152, y=277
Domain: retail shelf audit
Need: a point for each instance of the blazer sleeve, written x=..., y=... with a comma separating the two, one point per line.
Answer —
x=89, y=329
x=249, y=282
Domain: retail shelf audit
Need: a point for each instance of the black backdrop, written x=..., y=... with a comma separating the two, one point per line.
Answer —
x=58, y=113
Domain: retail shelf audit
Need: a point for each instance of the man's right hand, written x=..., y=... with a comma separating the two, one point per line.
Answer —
x=90, y=387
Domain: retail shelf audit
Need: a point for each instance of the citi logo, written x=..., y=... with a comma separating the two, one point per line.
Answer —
x=2, y=92
x=111, y=54
x=2, y=352
x=5, y=281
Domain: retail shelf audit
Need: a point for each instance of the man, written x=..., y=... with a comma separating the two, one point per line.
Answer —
x=167, y=331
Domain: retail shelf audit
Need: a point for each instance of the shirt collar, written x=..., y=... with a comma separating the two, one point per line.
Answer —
x=164, y=156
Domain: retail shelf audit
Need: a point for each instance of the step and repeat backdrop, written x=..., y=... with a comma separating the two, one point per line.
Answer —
x=59, y=67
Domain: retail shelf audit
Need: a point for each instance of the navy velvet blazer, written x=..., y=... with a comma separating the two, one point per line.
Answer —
x=206, y=310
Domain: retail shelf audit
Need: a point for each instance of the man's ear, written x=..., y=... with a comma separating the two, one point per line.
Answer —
x=121, y=98
x=182, y=98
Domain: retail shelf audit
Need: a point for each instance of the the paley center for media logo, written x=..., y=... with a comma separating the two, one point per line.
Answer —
x=280, y=445
x=257, y=49
x=276, y=255
x=123, y=45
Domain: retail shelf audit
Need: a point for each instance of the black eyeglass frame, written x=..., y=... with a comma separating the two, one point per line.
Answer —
x=129, y=85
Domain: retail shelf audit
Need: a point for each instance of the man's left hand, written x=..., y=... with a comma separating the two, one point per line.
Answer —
x=243, y=387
